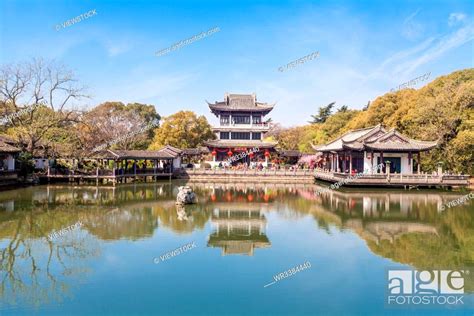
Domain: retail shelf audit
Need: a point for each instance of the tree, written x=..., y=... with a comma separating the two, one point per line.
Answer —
x=442, y=110
x=366, y=106
x=37, y=97
x=183, y=129
x=343, y=108
x=323, y=114
x=116, y=125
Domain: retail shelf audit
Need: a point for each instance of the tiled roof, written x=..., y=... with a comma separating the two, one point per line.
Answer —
x=240, y=102
x=376, y=138
x=348, y=137
x=7, y=139
x=289, y=153
x=6, y=148
x=7, y=145
x=393, y=140
x=195, y=151
x=171, y=150
x=164, y=153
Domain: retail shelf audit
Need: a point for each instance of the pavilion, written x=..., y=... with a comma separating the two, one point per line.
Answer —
x=8, y=152
x=241, y=129
x=363, y=149
x=121, y=165
x=240, y=229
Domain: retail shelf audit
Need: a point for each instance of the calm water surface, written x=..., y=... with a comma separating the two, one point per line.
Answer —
x=244, y=235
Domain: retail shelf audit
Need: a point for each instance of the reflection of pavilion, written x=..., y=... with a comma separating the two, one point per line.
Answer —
x=380, y=204
x=238, y=230
x=390, y=231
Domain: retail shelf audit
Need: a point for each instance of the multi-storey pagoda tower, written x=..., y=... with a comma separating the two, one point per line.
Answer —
x=241, y=128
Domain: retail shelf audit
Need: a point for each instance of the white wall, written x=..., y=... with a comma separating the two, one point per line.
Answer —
x=405, y=168
x=10, y=162
x=41, y=163
x=177, y=163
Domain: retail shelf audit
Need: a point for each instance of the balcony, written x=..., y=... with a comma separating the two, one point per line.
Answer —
x=257, y=126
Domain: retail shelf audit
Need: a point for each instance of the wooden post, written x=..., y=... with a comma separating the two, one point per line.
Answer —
x=350, y=162
x=381, y=161
x=343, y=162
x=97, y=176
x=387, y=170
x=419, y=163
x=372, y=161
x=171, y=168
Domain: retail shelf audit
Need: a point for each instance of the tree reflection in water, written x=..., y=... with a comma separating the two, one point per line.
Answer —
x=34, y=268
x=403, y=226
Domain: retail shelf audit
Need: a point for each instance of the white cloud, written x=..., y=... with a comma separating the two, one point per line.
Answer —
x=454, y=18
x=114, y=49
x=443, y=45
x=411, y=29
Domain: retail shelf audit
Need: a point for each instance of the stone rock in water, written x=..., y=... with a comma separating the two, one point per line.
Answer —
x=181, y=211
x=185, y=195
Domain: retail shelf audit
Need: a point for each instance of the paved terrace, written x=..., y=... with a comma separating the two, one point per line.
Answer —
x=395, y=180
x=309, y=176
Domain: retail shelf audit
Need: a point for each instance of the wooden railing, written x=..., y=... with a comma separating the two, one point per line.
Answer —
x=105, y=172
x=249, y=172
x=394, y=178
x=8, y=175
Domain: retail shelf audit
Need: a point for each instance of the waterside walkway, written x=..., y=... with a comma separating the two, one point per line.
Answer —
x=394, y=180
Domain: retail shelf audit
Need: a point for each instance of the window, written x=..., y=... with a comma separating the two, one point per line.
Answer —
x=257, y=120
x=224, y=119
x=256, y=135
x=240, y=135
x=224, y=135
x=241, y=119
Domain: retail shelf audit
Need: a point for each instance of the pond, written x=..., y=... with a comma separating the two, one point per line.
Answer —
x=243, y=249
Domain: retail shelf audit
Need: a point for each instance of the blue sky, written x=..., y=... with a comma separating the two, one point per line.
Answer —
x=365, y=49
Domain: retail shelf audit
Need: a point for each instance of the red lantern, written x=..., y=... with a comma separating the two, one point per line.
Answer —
x=251, y=155
x=250, y=197
x=229, y=153
x=213, y=197
x=214, y=152
x=267, y=153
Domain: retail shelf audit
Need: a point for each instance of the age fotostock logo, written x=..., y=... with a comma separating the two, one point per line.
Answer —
x=429, y=287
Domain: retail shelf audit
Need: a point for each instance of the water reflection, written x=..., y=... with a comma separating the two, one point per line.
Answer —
x=239, y=228
x=399, y=225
